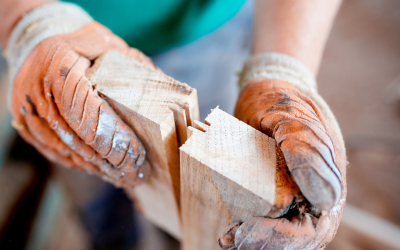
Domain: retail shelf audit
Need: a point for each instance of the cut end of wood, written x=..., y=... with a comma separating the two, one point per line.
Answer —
x=147, y=91
x=241, y=163
x=230, y=172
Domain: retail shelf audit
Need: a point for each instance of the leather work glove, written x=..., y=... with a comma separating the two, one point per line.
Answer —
x=54, y=106
x=279, y=98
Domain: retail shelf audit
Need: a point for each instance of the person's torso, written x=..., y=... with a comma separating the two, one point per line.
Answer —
x=156, y=25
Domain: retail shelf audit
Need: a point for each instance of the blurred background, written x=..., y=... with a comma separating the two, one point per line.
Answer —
x=43, y=206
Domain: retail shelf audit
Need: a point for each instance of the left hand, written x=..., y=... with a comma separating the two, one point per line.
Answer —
x=56, y=109
x=315, y=158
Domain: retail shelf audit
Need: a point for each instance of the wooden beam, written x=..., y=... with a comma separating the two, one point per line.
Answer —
x=158, y=109
x=229, y=173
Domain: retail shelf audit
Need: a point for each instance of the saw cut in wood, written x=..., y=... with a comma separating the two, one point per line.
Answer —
x=230, y=172
x=158, y=109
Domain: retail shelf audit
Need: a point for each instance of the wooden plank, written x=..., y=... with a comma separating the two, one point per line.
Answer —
x=158, y=109
x=228, y=174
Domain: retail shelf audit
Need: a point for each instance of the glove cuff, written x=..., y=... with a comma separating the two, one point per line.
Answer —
x=278, y=66
x=43, y=22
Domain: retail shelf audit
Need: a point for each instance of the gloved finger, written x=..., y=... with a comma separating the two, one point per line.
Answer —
x=49, y=153
x=289, y=121
x=313, y=176
x=37, y=132
x=59, y=152
x=295, y=233
x=328, y=225
x=303, y=228
x=46, y=88
x=93, y=40
x=265, y=233
x=227, y=238
x=324, y=226
x=32, y=127
x=309, y=153
x=279, y=110
x=99, y=126
x=64, y=156
x=305, y=233
x=255, y=233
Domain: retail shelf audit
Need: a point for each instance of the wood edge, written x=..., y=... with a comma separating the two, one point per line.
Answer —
x=200, y=126
x=180, y=119
x=264, y=205
x=91, y=71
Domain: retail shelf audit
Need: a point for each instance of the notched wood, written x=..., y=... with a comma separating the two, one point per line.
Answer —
x=158, y=109
x=230, y=168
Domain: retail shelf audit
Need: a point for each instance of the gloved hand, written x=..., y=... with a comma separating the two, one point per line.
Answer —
x=280, y=99
x=54, y=106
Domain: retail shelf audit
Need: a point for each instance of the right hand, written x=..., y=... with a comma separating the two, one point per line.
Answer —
x=315, y=158
x=56, y=109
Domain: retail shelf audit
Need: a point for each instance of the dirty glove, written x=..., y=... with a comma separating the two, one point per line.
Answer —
x=280, y=98
x=54, y=106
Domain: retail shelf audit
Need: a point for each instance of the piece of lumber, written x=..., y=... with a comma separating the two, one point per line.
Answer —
x=229, y=173
x=158, y=109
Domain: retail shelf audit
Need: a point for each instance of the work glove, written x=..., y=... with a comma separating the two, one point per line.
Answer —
x=280, y=99
x=54, y=106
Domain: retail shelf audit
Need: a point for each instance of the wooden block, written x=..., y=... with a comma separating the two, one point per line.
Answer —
x=228, y=174
x=158, y=109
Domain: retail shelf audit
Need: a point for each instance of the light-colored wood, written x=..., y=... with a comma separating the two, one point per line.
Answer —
x=228, y=174
x=158, y=109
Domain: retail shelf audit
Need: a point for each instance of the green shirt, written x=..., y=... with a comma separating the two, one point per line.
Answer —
x=156, y=25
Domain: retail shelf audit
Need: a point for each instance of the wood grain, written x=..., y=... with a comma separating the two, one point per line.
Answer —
x=228, y=174
x=158, y=109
